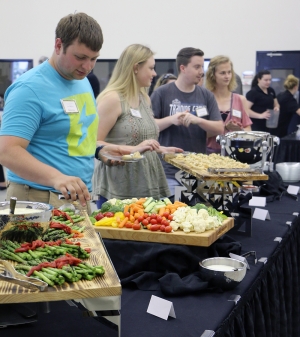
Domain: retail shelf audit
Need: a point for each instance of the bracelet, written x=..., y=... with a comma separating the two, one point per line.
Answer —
x=98, y=149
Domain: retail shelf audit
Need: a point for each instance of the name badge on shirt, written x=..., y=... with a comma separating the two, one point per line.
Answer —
x=201, y=112
x=69, y=106
x=135, y=113
x=236, y=113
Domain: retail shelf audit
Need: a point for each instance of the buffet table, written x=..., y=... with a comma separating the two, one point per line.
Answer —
x=288, y=150
x=269, y=302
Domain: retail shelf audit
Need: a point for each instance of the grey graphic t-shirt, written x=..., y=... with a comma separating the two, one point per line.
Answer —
x=168, y=100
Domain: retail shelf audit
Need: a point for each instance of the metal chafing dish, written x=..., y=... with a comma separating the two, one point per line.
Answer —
x=251, y=147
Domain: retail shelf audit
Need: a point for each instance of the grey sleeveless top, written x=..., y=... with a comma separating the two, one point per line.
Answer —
x=145, y=178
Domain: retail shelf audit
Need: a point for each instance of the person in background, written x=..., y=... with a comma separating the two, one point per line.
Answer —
x=50, y=149
x=220, y=80
x=43, y=59
x=184, y=111
x=165, y=79
x=289, y=107
x=126, y=117
x=93, y=79
x=261, y=99
x=239, y=86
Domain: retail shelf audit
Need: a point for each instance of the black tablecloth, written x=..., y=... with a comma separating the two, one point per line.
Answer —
x=270, y=299
x=288, y=149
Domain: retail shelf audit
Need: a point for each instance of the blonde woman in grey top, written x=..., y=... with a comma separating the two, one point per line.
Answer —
x=126, y=118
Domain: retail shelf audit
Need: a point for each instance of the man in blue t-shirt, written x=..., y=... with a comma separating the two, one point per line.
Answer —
x=49, y=127
x=185, y=112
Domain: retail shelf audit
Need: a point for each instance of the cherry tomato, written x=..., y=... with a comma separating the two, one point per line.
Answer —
x=128, y=224
x=170, y=217
x=148, y=219
x=136, y=226
x=99, y=216
x=153, y=216
x=159, y=219
x=165, y=223
x=140, y=218
x=145, y=216
x=162, y=228
x=168, y=229
x=145, y=222
x=127, y=214
x=109, y=214
x=166, y=214
x=153, y=221
x=154, y=228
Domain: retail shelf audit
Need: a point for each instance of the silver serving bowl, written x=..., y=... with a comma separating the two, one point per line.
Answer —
x=289, y=171
x=247, y=146
x=222, y=272
x=25, y=211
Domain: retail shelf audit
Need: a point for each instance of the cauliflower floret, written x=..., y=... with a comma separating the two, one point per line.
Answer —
x=180, y=214
x=199, y=225
x=174, y=225
x=187, y=227
x=210, y=223
x=203, y=213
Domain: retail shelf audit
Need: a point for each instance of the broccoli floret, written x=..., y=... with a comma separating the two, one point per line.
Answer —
x=106, y=207
x=199, y=206
x=116, y=208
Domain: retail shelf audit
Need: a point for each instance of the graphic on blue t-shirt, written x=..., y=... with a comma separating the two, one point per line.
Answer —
x=81, y=140
x=177, y=106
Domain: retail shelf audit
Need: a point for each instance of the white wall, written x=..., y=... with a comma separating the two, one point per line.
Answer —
x=237, y=28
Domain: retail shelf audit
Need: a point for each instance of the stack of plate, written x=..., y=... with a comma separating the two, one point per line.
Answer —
x=290, y=172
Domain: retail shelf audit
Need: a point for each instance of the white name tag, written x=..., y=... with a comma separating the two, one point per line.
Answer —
x=201, y=112
x=135, y=113
x=69, y=106
x=236, y=113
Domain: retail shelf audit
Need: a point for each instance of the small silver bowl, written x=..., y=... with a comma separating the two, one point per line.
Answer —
x=35, y=212
x=222, y=272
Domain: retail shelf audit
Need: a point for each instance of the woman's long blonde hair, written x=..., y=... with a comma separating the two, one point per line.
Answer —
x=123, y=79
x=210, y=74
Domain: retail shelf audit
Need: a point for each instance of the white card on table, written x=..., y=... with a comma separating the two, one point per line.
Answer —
x=261, y=214
x=293, y=189
x=258, y=201
x=240, y=258
x=161, y=308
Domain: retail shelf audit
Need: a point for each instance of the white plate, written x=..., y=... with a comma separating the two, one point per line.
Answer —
x=120, y=158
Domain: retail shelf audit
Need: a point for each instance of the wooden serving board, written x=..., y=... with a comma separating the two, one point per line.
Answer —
x=205, y=175
x=106, y=285
x=204, y=239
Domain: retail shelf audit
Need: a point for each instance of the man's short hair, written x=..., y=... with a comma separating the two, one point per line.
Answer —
x=82, y=27
x=184, y=56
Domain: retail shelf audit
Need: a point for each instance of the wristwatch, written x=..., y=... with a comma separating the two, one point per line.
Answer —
x=98, y=149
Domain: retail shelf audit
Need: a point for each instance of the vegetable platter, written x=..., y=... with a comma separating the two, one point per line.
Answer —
x=150, y=220
x=106, y=285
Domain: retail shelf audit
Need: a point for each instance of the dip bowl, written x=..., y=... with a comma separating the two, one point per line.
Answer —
x=222, y=272
x=25, y=211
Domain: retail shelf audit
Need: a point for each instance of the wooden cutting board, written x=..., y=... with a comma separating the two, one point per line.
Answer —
x=101, y=286
x=205, y=175
x=204, y=239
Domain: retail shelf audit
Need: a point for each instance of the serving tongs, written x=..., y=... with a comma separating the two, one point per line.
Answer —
x=222, y=170
x=9, y=274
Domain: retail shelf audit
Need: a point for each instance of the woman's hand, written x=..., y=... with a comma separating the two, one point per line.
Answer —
x=177, y=119
x=147, y=145
x=265, y=115
x=233, y=126
x=188, y=119
x=169, y=149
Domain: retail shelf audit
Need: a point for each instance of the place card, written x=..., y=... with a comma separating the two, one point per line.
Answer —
x=261, y=214
x=161, y=308
x=258, y=201
x=240, y=258
x=293, y=189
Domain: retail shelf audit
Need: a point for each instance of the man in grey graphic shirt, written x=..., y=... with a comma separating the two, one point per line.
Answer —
x=185, y=112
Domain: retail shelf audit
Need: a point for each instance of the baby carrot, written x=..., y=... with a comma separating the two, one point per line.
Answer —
x=123, y=222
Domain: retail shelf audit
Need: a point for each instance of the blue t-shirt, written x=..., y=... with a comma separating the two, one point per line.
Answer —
x=33, y=110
